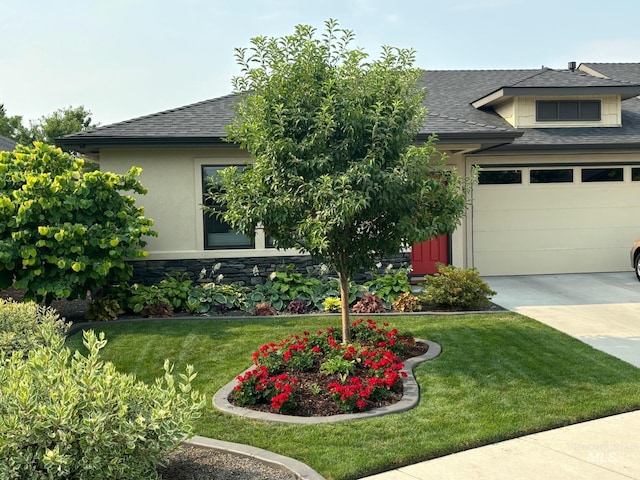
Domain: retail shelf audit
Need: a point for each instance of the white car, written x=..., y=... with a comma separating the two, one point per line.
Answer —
x=635, y=257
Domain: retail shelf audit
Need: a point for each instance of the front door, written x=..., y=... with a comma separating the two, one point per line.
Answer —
x=425, y=255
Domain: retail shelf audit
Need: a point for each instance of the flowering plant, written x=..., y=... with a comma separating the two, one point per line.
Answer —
x=375, y=370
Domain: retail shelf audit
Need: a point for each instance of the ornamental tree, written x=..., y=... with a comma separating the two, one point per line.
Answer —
x=335, y=172
x=62, y=231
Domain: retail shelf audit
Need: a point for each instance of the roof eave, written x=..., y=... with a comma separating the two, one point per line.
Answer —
x=92, y=145
x=571, y=147
x=625, y=92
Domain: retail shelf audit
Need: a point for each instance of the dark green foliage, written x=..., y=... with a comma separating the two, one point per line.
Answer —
x=336, y=171
x=176, y=288
x=103, y=309
x=457, y=289
x=390, y=285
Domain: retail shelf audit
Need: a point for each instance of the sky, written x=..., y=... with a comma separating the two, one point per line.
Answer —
x=122, y=59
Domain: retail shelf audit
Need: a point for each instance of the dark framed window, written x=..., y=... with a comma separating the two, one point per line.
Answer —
x=614, y=174
x=556, y=175
x=568, y=110
x=499, y=177
x=635, y=174
x=219, y=235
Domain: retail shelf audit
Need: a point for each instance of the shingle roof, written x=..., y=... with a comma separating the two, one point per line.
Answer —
x=624, y=72
x=450, y=94
x=6, y=144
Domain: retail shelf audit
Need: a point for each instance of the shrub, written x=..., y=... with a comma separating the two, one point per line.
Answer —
x=369, y=303
x=175, y=288
x=65, y=231
x=69, y=416
x=332, y=304
x=157, y=310
x=390, y=285
x=457, y=288
x=216, y=297
x=103, y=309
x=24, y=326
x=263, y=310
x=407, y=302
x=298, y=306
x=267, y=293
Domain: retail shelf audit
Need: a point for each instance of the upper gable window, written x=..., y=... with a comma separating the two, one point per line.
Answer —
x=568, y=110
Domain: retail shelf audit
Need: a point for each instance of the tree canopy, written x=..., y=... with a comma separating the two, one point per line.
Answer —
x=64, y=231
x=47, y=128
x=335, y=172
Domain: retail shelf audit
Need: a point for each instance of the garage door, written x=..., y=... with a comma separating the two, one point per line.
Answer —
x=535, y=220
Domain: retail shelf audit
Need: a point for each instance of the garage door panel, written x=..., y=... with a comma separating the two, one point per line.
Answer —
x=562, y=218
x=553, y=261
x=568, y=228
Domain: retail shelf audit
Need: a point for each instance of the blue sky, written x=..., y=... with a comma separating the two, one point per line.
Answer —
x=126, y=58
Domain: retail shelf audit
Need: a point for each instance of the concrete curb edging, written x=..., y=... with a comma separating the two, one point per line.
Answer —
x=300, y=470
x=410, y=397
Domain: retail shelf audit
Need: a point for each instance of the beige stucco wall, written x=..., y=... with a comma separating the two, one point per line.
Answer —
x=173, y=180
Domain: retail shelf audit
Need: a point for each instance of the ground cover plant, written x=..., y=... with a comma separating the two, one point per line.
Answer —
x=499, y=376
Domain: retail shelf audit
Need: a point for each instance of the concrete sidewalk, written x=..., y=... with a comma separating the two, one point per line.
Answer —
x=602, y=310
x=603, y=449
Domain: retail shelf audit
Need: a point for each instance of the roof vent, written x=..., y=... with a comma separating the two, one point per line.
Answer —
x=572, y=66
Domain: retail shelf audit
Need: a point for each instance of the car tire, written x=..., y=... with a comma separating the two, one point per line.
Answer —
x=637, y=265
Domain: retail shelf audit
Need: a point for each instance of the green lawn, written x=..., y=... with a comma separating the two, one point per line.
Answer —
x=499, y=376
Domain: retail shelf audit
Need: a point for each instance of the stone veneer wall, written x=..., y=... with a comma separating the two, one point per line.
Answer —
x=241, y=269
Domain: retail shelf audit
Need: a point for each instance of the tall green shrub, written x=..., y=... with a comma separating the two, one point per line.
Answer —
x=69, y=416
x=65, y=231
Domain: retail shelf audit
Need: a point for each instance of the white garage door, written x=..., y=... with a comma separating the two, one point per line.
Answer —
x=537, y=220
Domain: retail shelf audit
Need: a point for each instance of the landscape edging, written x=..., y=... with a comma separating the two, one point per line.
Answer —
x=410, y=397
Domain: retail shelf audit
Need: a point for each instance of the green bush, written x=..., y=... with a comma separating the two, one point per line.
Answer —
x=103, y=309
x=457, y=289
x=391, y=285
x=69, y=416
x=24, y=326
x=217, y=297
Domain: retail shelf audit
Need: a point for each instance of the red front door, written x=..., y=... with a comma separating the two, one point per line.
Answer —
x=424, y=256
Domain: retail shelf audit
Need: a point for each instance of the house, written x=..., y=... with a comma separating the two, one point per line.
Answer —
x=6, y=144
x=558, y=191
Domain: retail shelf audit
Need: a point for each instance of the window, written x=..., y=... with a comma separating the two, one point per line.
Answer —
x=499, y=177
x=602, y=174
x=635, y=174
x=218, y=235
x=568, y=110
x=563, y=175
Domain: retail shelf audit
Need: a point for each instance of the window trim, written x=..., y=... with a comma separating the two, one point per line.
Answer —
x=205, y=217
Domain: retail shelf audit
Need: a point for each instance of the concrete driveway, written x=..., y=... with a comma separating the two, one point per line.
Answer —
x=601, y=309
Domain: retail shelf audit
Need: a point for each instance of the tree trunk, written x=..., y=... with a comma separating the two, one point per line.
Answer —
x=344, y=298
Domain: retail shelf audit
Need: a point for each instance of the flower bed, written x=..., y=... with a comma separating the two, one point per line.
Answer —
x=315, y=374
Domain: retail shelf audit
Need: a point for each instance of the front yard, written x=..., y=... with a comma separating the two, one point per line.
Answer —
x=500, y=376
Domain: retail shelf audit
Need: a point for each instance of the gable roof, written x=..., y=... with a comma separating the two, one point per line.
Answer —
x=626, y=72
x=6, y=144
x=453, y=114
